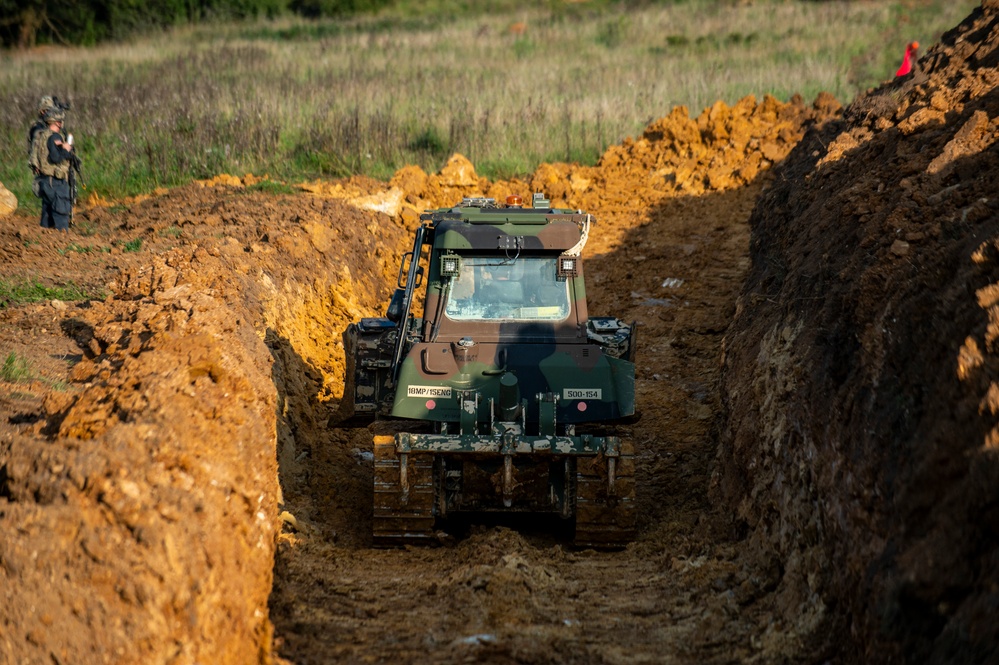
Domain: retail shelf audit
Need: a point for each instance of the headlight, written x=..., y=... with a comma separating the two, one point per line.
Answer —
x=568, y=266
x=450, y=265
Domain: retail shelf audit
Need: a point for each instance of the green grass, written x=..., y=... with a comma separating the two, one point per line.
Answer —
x=82, y=249
x=16, y=368
x=303, y=99
x=132, y=245
x=85, y=228
x=271, y=187
x=171, y=231
x=29, y=291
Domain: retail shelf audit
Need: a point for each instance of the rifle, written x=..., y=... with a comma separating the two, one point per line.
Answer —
x=75, y=169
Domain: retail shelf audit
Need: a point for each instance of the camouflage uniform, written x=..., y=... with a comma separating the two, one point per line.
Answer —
x=53, y=164
x=46, y=104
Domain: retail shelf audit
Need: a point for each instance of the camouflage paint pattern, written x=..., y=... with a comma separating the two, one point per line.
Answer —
x=586, y=365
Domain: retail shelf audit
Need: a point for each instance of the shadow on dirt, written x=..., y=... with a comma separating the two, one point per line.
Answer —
x=325, y=477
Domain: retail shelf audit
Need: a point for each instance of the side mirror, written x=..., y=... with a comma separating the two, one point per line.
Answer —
x=394, y=311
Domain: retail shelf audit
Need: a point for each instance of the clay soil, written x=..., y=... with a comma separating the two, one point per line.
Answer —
x=814, y=291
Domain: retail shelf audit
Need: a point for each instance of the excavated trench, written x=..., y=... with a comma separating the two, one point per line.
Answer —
x=516, y=593
x=817, y=317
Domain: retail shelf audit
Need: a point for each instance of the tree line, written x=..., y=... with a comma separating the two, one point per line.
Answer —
x=26, y=23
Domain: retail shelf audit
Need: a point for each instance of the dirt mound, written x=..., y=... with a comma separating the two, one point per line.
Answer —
x=506, y=569
x=723, y=148
x=120, y=519
x=861, y=368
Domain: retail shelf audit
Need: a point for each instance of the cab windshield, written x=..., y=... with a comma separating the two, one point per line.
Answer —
x=524, y=289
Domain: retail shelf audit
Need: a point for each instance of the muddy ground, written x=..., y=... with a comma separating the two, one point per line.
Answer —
x=815, y=292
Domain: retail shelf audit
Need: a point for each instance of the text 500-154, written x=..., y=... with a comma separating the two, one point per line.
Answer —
x=582, y=393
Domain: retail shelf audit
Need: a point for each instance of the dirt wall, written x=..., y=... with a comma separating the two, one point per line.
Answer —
x=128, y=536
x=139, y=497
x=861, y=375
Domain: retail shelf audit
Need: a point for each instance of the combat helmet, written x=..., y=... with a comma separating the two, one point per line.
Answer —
x=53, y=115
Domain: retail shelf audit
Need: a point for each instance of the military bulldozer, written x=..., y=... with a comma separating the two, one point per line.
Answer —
x=515, y=385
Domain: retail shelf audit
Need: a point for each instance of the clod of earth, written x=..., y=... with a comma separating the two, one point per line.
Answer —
x=8, y=202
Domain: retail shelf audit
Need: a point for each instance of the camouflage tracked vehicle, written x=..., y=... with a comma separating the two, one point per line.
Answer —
x=515, y=382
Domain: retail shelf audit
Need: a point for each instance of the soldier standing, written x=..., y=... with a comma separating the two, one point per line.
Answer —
x=52, y=155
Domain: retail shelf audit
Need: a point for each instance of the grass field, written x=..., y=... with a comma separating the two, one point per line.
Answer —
x=509, y=89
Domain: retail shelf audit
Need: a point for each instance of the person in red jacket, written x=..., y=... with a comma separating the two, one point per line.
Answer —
x=911, y=55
